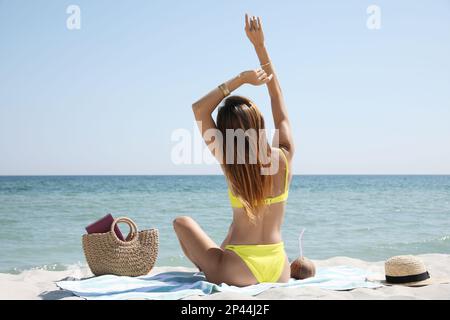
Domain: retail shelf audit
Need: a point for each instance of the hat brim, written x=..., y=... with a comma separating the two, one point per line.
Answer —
x=427, y=282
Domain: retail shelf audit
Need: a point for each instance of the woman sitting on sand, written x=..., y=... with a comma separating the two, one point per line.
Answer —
x=253, y=251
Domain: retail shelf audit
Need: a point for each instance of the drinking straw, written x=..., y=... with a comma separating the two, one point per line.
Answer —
x=300, y=242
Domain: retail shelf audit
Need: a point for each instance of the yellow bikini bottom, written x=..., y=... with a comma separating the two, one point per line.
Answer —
x=265, y=261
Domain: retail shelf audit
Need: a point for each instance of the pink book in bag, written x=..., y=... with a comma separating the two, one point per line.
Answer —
x=104, y=225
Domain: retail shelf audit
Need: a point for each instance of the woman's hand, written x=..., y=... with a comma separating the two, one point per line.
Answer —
x=255, y=77
x=253, y=29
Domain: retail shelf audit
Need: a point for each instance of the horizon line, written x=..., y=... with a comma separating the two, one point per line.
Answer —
x=196, y=175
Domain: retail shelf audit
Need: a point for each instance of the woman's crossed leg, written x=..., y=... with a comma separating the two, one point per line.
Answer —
x=218, y=265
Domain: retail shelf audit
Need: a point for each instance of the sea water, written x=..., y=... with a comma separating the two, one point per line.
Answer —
x=42, y=219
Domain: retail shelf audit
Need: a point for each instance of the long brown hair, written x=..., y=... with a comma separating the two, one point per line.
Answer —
x=245, y=178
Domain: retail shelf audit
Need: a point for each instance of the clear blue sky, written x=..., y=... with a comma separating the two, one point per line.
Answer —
x=105, y=99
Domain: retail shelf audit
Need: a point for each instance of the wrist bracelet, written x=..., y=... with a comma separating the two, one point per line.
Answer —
x=224, y=88
x=265, y=64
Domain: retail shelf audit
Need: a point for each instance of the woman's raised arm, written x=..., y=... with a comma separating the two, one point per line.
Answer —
x=204, y=107
x=283, y=136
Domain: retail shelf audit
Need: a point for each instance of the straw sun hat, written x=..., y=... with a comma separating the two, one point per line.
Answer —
x=408, y=271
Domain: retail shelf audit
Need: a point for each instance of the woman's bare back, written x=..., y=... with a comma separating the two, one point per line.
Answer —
x=266, y=229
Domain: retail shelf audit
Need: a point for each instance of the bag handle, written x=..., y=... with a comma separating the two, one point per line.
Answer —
x=129, y=222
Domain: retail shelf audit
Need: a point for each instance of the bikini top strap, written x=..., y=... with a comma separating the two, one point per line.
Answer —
x=286, y=171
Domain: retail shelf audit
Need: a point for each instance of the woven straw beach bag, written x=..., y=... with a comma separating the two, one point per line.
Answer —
x=107, y=254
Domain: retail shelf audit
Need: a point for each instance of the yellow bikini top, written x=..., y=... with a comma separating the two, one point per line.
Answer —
x=236, y=203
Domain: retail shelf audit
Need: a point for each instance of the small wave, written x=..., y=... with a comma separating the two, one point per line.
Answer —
x=444, y=238
x=420, y=242
x=47, y=267
x=17, y=189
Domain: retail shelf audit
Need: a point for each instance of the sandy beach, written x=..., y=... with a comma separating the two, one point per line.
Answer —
x=40, y=284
